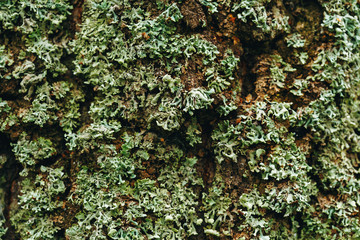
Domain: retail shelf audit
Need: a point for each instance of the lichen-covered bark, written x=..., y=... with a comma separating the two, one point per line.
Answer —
x=193, y=119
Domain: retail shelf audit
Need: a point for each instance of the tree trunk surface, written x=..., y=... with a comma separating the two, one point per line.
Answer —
x=188, y=119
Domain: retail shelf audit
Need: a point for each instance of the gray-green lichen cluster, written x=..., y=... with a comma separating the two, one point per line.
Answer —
x=209, y=119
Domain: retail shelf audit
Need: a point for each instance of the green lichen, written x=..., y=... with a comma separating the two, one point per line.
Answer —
x=38, y=204
x=129, y=125
x=29, y=153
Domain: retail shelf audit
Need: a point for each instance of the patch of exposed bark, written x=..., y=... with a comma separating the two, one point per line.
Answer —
x=193, y=13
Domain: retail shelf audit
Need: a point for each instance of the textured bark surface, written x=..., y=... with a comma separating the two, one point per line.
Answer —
x=193, y=119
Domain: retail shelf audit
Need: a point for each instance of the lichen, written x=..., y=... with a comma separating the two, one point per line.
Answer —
x=127, y=120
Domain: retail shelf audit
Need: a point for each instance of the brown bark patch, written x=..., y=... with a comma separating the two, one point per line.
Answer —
x=76, y=15
x=193, y=14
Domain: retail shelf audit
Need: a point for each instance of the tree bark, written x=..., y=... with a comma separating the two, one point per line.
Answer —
x=189, y=119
